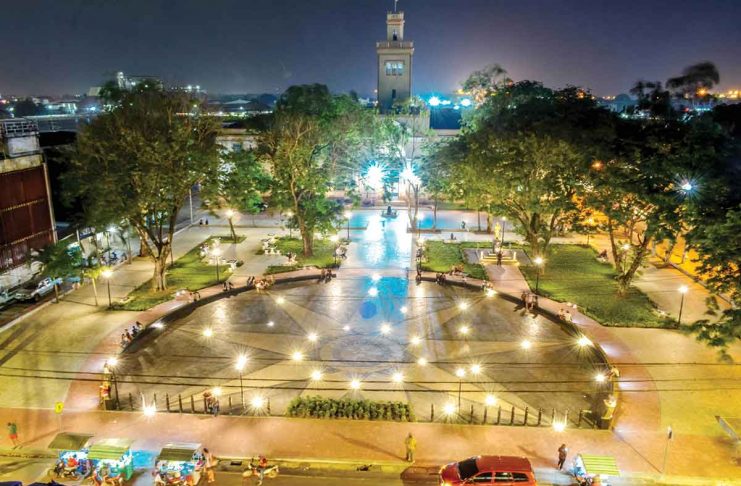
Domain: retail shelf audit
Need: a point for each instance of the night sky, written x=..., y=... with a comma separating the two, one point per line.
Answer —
x=237, y=46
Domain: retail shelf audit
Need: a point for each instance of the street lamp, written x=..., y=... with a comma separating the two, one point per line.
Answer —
x=239, y=365
x=460, y=373
x=216, y=252
x=590, y=223
x=107, y=273
x=682, y=290
x=110, y=365
x=539, y=264
x=504, y=228
x=347, y=215
x=334, y=239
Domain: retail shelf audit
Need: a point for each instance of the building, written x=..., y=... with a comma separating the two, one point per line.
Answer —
x=394, y=64
x=26, y=213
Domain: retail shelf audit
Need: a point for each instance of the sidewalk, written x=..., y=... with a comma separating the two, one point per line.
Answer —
x=356, y=441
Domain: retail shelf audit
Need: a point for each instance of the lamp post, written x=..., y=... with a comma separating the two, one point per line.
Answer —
x=107, y=273
x=590, y=225
x=229, y=216
x=682, y=290
x=240, y=364
x=504, y=228
x=216, y=252
x=460, y=373
x=347, y=215
x=110, y=365
x=335, y=239
x=538, y=264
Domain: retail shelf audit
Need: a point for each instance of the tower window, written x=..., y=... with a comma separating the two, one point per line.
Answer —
x=395, y=36
x=393, y=94
x=394, y=68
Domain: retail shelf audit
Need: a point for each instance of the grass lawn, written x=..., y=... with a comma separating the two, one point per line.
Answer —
x=323, y=256
x=573, y=274
x=189, y=272
x=442, y=256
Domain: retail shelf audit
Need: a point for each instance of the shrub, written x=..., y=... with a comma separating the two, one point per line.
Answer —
x=350, y=408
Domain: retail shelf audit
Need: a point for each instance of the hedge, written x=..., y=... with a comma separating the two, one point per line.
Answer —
x=349, y=408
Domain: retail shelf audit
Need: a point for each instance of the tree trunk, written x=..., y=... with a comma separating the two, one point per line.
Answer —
x=231, y=228
x=625, y=279
x=56, y=292
x=489, y=222
x=307, y=236
x=159, y=279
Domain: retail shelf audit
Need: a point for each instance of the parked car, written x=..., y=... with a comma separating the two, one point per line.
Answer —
x=6, y=297
x=498, y=470
x=36, y=291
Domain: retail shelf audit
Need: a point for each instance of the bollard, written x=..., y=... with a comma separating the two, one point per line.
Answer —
x=512, y=416
x=432, y=412
x=540, y=415
x=486, y=411
x=499, y=415
x=470, y=417
x=205, y=407
x=131, y=402
x=167, y=401
x=180, y=402
x=192, y=405
x=268, y=407
x=578, y=422
x=566, y=417
x=230, y=404
x=155, y=401
x=527, y=411
x=553, y=416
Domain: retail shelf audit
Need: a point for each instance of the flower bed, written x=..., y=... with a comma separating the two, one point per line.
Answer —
x=349, y=408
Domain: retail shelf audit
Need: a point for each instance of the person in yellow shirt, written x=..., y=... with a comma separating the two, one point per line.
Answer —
x=411, y=445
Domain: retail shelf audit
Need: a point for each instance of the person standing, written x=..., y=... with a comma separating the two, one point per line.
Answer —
x=209, y=460
x=411, y=445
x=13, y=433
x=562, y=452
x=499, y=258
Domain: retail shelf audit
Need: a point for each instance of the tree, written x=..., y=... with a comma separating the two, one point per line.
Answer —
x=238, y=186
x=695, y=81
x=652, y=97
x=27, y=107
x=526, y=154
x=138, y=161
x=485, y=82
x=60, y=262
x=313, y=141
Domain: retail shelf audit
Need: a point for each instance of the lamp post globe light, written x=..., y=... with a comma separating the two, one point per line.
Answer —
x=682, y=291
x=538, y=264
x=460, y=373
x=107, y=274
x=239, y=365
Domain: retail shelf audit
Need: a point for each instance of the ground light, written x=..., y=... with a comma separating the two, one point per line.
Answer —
x=397, y=377
x=526, y=344
x=373, y=292
x=280, y=301
x=415, y=341
x=316, y=375
x=490, y=400
x=355, y=384
x=422, y=361
x=376, y=277
x=449, y=409
x=559, y=426
x=491, y=292
x=149, y=410
x=313, y=337
x=346, y=328
x=385, y=329
x=271, y=324
x=404, y=309
x=463, y=305
x=208, y=332
x=297, y=356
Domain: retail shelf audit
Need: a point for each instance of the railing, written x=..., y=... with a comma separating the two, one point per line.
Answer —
x=475, y=414
x=394, y=45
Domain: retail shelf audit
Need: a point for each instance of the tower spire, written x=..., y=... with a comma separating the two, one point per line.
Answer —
x=395, y=2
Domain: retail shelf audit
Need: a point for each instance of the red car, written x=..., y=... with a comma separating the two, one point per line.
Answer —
x=499, y=470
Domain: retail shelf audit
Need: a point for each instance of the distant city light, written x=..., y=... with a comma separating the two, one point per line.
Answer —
x=434, y=101
x=466, y=102
x=373, y=292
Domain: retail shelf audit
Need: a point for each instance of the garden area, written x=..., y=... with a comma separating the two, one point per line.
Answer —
x=349, y=408
x=323, y=256
x=572, y=273
x=190, y=271
x=440, y=257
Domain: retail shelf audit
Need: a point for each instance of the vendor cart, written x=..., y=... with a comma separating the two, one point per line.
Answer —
x=590, y=469
x=73, y=462
x=112, y=461
x=179, y=464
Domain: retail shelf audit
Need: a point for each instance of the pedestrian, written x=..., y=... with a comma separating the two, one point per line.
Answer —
x=206, y=221
x=200, y=222
x=463, y=225
x=499, y=258
x=562, y=452
x=411, y=445
x=215, y=406
x=13, y=433
x=210, y=463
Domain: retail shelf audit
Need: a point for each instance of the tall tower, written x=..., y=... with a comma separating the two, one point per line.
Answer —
x=394, y=64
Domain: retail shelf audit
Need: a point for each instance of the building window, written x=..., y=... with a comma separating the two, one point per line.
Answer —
x=394, y=68
x=393, y=94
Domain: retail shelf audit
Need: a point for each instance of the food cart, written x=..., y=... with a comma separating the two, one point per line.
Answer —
x=112, y=461
x=590, y=469
x=179, y=464
x=73, y=455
